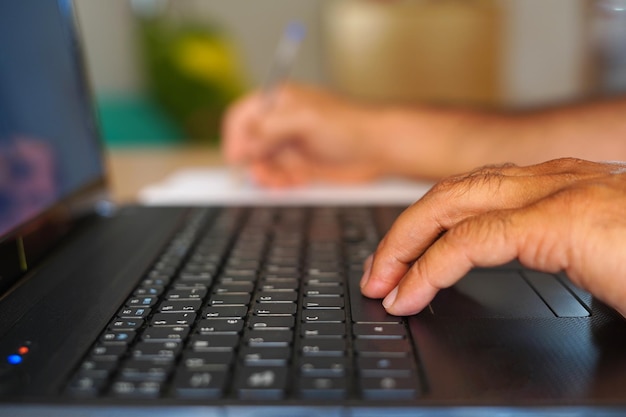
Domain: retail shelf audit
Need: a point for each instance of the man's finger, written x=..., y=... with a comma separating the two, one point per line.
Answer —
x=534, y=235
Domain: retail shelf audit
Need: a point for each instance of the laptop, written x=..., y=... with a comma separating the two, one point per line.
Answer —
x=244, y=310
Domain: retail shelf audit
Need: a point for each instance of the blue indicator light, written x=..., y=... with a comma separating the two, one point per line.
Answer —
x=14, y=359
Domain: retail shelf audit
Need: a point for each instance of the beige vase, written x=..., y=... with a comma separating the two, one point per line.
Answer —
x=442, y=51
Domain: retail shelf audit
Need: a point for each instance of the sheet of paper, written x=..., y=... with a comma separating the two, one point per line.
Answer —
x=217, y=186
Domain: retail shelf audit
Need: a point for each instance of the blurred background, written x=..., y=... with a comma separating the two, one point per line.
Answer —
x=164, y=71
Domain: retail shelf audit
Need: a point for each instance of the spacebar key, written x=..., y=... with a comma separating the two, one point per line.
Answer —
x=366, y=310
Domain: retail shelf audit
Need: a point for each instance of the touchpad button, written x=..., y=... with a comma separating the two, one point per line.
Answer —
x=491, y=294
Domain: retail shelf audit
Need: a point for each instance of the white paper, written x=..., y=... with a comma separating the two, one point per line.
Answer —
x=218, y=186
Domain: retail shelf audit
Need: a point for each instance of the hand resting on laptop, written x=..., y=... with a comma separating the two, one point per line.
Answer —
x=565, y=214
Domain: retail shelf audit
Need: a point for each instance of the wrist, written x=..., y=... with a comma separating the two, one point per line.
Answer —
x=418, y=142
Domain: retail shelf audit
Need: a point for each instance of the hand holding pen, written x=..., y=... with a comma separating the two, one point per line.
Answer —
x=280, y=69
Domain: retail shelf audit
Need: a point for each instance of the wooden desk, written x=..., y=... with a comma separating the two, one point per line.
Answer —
x=132, y=169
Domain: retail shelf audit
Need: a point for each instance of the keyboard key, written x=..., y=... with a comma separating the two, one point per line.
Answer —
x=86, y=386
x=134, y=312
x=380, y=347
x=272, y=323
x=167, y=351
x=277, y=297
x=107, y=352
x=186, y=294
x=196, y=277
x=261, y=383
x=286, y=271
x=164, y=334
x=317, y=291
x=225, y=312
x=156, y=279
x=151, y=290
x=199, y=384
x=143, y=301
x=323, y=347
x=237, y=277
x=180, y=306
x=136, y=389
x=173, y=319
x=138, y=370
x=183, y=286
x=269, y=338
x=234, y=287
x=279, y=309
x=220, y=326
x=323, y=388
x=323, y=316
x=265, y=356
x=379, y=331
x=323, y=366
x=323, y=303
x=322, y=283
x=207, y=361
x=276, y=278
x=97, y=369
x=128, y=324
x=280, y=286
x=389, y=388
x=323, y=330
x=122, y=337
x=241, y=299
x=397, y=367
x=213, y=343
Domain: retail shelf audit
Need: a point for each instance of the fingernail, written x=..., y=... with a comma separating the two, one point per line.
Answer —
x=368, y=270
x=390, y=298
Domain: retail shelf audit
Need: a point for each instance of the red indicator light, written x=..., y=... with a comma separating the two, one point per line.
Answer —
x=23, y=350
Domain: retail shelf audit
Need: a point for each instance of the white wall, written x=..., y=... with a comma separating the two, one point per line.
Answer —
x=545, y=55
x=256, y=27
x=113, y=57
x=542, y=62
x=111, y=51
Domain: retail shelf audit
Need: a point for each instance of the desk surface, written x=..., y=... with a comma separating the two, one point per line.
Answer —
x=132, y=169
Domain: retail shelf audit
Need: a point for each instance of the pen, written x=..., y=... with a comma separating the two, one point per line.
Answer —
x=284, y=57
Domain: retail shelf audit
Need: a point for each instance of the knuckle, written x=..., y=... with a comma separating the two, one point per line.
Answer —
x=491, y=176
x=570, y=168
x=567, y=162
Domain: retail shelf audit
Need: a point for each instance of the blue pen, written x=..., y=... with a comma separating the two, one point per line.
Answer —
x=284, y=58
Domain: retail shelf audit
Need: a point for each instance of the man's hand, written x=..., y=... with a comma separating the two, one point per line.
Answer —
x=299, y=135
x=565, y=214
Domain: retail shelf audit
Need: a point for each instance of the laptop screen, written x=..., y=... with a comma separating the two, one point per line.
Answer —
x=49, y=146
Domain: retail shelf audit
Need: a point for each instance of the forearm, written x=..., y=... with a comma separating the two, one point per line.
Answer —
x=431, y=142
x=594, y=131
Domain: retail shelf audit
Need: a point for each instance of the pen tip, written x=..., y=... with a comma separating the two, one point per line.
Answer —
x=296, y=30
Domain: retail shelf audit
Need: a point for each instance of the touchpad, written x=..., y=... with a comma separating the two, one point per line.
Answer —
x=507, y=294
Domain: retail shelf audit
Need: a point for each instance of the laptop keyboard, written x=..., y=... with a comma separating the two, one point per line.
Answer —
x=257, y=304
